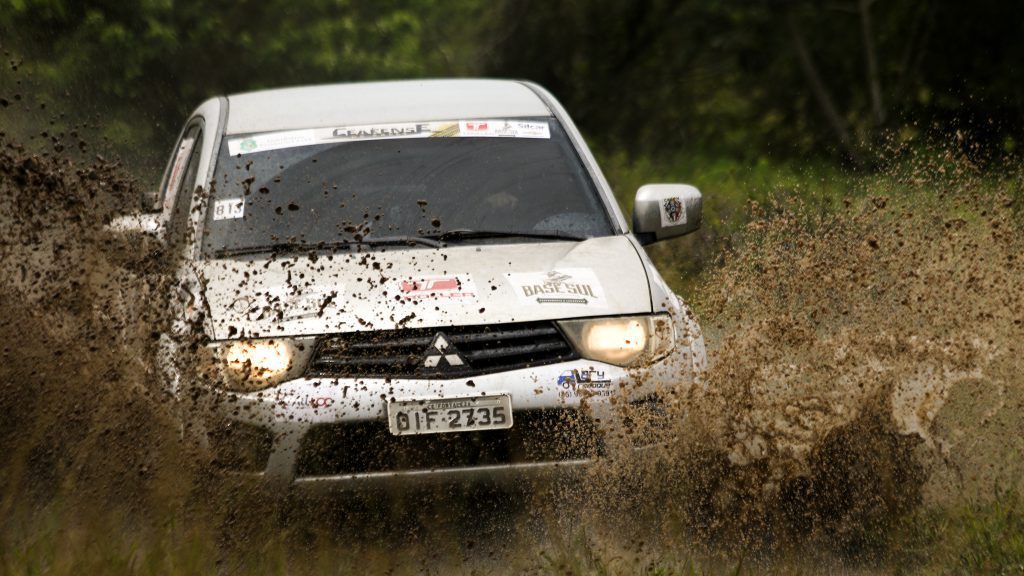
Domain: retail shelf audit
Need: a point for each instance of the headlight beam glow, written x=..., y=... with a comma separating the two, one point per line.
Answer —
x=622, y=341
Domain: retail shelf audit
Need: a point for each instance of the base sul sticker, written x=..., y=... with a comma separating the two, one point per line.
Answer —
x=572, y=286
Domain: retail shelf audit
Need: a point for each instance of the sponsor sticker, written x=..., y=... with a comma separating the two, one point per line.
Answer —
x=229, y=209
x=297, y=400
x=449, y=129
x=312, y=302
x=271, y=141
x=573, y=286
x=505, y=129
x=454, y=286
x=377, y=131
x=672, y=213
x=586, y=382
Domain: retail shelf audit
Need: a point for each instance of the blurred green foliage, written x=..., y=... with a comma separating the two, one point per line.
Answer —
x=705, y=78
x=745, y=99
x=140, y=67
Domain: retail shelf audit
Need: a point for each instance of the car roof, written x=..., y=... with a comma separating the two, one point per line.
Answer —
x=380, y=103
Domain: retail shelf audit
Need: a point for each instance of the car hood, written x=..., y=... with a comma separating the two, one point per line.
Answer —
x=423, y=287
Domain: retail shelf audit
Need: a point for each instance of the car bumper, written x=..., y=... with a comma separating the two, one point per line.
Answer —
x=284, y=420
x=499, y=475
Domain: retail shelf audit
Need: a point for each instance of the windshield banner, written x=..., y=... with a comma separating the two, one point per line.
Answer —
x=461, y=129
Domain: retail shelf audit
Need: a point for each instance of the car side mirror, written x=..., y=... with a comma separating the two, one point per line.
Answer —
x=663, y=211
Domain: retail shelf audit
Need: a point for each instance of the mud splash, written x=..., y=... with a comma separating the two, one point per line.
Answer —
x=80, y=409
x=866, y=362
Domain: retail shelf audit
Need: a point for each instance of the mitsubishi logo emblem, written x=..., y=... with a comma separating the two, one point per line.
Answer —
x=441, y=352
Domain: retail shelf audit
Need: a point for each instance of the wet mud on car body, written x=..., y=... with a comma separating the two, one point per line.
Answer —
x=414, y=281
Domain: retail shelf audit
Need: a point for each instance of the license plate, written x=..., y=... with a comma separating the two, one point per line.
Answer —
x=437, y=415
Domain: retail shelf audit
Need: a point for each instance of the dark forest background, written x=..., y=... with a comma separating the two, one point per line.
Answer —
x=741, y=97
x=746, y=79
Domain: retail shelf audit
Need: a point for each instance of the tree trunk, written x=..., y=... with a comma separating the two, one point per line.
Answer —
x=871, y=57
x=821, y=94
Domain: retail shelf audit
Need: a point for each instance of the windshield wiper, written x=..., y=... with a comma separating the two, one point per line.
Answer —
x=407, y=240
x=295, y=247
x=281, y=248
x=471, y=234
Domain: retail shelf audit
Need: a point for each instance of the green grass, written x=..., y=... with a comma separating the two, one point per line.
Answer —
x=972, y=538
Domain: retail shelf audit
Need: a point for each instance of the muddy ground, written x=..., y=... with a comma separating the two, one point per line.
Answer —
x=865, y=372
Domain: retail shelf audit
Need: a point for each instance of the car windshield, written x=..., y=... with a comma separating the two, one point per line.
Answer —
x=460, y=181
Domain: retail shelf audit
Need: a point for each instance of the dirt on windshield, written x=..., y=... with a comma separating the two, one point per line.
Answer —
x=865, y=369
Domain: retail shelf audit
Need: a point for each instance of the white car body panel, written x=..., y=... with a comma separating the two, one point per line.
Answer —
x=357, y=291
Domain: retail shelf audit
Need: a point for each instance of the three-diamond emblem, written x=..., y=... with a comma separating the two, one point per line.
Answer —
x=441, y=352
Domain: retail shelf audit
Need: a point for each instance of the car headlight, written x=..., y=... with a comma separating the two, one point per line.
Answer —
x=249, y=365
x=623, y=341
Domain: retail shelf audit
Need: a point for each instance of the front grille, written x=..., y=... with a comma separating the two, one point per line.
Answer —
x=404, y=353
x=552, y=435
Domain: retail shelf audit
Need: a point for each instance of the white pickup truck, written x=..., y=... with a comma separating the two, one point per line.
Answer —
x=416, y=281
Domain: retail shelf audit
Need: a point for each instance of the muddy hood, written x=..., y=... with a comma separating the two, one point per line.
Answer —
x=423, y=287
